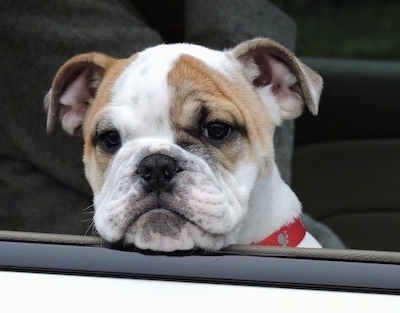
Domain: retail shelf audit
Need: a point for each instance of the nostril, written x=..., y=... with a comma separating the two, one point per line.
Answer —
x=145, y=172
x=146, y=167
x=170, y=169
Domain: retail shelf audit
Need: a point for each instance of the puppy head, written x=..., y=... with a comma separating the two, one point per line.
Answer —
x=176, y=136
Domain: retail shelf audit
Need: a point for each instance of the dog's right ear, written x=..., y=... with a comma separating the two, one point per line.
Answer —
x=73, y=89
x=271, y=68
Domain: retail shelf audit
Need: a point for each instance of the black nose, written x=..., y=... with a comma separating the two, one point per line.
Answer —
x=156, y=171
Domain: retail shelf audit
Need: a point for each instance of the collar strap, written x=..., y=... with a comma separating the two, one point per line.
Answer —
x=287, y=236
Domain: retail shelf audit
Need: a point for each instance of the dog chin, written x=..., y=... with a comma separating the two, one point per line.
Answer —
x=166, y=231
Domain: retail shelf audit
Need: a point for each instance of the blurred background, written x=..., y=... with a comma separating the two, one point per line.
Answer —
x=346, y=29
x=346, y=168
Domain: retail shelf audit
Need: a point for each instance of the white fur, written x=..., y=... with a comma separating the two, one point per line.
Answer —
x=272, y=204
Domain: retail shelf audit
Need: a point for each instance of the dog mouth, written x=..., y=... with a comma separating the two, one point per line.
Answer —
x=162, y=221
x=194, y=214
x=163, y=213
x=158, y=229
x=159, y=214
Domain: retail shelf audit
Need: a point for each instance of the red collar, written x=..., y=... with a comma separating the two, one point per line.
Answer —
x=286, y=236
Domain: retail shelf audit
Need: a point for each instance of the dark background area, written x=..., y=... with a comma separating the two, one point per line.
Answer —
x=346, y=29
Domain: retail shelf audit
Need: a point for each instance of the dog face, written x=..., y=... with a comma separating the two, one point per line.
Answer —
x=177, y=136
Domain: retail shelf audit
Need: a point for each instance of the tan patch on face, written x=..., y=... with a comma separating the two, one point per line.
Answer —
x=96, y=161
x=202, y=95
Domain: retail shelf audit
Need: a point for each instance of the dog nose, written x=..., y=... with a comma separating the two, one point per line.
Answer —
x=157, y=170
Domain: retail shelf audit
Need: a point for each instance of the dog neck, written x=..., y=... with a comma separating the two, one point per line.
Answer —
x=287, y=236
x=272, y=205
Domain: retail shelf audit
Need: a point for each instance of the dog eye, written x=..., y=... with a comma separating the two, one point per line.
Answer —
x=110, y=141
x=217, y=130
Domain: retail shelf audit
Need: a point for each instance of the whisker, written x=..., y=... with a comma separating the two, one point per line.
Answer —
x=90, y=228
x=89, y=207
x=124, y=243
x=87, y=220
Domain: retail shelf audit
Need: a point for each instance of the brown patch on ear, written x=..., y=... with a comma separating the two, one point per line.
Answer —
x=201, y=93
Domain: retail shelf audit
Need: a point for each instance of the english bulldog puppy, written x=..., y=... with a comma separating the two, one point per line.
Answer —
x=178, y=142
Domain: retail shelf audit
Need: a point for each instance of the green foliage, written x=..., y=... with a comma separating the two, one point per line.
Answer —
x=346, y=29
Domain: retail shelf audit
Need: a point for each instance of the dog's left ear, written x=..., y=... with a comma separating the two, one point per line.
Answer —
x=270, y=67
